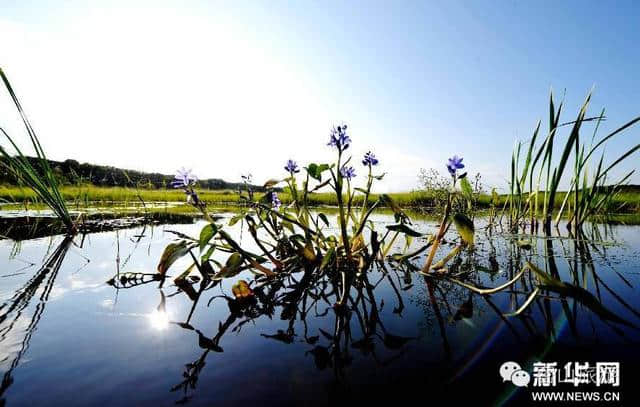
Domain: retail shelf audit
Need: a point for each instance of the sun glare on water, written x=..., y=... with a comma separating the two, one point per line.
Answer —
x=159, y=320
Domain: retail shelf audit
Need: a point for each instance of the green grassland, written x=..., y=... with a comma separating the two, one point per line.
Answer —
x=86, y=196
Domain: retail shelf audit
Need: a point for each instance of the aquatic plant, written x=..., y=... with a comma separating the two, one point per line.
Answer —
x=40, y=177
x=463, y=198
x=589, y=192
x=300, y=260
x=295, y=237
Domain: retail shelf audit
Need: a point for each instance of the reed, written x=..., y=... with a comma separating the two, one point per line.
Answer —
x=40, y=178
x=589, y=193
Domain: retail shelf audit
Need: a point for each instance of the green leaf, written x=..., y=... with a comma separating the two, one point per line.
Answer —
x=467, y=191
x=172, y=253
x=316, y=170
x=465, y=227
x=231, y=268
x=234, y=261
x=323, y=217
x=402, y=228
x=235, y=219
x=327, y=258
x=206, y=234
x=288, y=225
x=208, y=253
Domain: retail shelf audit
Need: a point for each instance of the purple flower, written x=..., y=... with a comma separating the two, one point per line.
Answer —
x=183, y=179
x=275, y=201
x=369, y=159
x=348, y=172
x=454, y=164
x=292, y=167
x=338, y=138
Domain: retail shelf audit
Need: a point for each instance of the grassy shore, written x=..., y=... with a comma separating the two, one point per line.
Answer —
x=627, y=202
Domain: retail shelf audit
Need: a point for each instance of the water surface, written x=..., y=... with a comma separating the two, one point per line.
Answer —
x=68, y=338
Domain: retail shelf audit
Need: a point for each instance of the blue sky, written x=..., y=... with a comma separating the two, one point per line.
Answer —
x=231, y=87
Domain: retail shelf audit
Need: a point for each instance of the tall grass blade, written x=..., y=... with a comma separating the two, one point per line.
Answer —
x=40, y=179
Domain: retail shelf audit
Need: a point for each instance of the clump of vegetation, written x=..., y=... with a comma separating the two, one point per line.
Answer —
x=435, y=188
x=590, y=190
x=38, y=175
x=293, y=237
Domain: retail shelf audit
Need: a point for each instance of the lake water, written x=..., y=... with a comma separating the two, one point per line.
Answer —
x=69, y=338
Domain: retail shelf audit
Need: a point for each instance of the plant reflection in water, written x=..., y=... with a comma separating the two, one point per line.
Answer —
x=526, y=273
x=11, y=311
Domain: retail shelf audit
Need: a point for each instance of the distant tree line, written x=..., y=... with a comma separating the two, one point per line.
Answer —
x=71, y=172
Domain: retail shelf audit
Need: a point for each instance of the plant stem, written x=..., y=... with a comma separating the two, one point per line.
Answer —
x=439, y=236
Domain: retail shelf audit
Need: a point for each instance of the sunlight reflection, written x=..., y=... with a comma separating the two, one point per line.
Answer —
x=159, y=320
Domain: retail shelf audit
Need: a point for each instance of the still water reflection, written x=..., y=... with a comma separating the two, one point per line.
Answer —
x=68, y=338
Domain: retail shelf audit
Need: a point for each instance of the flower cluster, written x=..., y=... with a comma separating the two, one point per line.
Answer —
x=339, y=139
x=454, y=164
x=186, y=180
x=292, y=167
x=369, y=159
x=347, y=172
x=275, y=201
x=183, y=179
